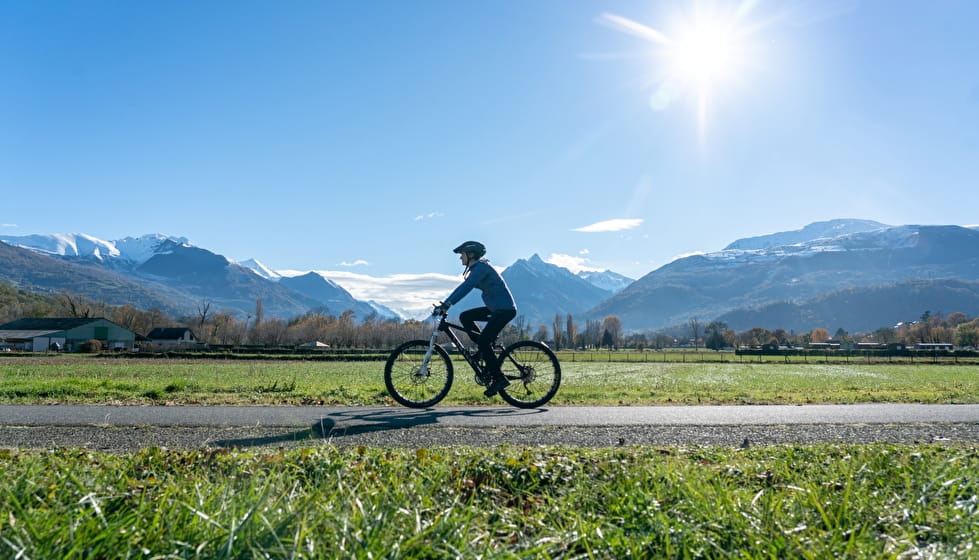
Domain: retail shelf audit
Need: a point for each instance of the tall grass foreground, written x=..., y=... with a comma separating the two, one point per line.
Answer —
x=821, y=501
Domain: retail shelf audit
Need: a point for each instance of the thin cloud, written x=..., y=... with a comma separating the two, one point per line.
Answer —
x=618, y=224
x=572, y=263
x=631, y=27
x=358, y=262
x=428, y=216
x=411, y=295
x=8, y=225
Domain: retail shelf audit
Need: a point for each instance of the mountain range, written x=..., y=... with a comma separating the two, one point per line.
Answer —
x=167, y=273
x=838, y=273
x=798, y=267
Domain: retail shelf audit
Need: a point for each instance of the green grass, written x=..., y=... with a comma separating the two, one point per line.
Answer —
x=823, y=501
x=319, y=501
x=71, y=379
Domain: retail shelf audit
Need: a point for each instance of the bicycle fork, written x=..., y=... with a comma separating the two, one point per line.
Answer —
x=423, y=370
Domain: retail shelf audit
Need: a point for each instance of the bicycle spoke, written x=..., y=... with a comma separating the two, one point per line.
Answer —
x=413, y=385
x=534, y=373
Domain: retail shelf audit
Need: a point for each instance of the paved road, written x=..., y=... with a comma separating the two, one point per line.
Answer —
x=485, y=417
x=121, y=428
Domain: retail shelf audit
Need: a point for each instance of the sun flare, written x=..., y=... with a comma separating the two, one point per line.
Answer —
x=700, y=56
x=703, y=54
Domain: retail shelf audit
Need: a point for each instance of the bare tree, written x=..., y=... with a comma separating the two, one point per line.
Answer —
x=571, y=332
x=612, y=327
x=74, y=306
x=203, y=309
x=259, y=311
x=541, y=335
x=557, y=331
x=593, y=333
x=695, y=330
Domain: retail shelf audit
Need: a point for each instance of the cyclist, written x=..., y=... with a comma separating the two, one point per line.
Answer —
x=498, y=309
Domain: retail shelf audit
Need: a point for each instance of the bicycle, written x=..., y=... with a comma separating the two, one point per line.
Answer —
x=419, y=373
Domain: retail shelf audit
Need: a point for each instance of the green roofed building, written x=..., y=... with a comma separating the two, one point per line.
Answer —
x=67, y=334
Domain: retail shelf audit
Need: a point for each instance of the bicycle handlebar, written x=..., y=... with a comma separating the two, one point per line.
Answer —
x=441, y=310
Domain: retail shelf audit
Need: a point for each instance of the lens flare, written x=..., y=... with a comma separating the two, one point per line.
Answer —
x=700, y=55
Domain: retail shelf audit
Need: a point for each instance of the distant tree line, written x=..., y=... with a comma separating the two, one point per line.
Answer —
x=344, y=331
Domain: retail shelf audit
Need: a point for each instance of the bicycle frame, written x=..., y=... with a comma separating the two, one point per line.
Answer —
x=449, y=329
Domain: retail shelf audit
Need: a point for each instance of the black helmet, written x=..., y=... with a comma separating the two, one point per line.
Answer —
x=474, y=247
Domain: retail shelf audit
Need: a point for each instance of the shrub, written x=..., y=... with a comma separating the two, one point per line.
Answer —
x=90, y=346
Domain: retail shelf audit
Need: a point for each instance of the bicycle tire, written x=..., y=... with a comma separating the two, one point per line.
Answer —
x=412, y=388
x=534, y=373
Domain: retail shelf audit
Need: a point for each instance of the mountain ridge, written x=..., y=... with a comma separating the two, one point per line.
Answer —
x=751, y=274
x=711, y=284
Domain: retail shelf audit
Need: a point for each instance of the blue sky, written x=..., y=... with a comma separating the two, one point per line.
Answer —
x=372, y=137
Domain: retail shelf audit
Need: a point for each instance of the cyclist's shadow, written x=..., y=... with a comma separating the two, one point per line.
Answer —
x=346, y=424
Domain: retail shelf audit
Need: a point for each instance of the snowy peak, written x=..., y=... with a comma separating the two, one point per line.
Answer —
x=136, y=250
x=535, y=266
x=712, y=284
x=141, y=249
x=883, y=238
x=65, y=245
x=812, y=232
x=606, y=280
x=261, y=269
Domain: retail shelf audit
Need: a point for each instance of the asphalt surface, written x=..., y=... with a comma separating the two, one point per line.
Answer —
x=126, y=428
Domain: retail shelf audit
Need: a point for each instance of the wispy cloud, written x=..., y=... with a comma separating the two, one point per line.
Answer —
x=631, y=27
x=428, y=216
x=618, y=224
x=570, y=262
x=412, y=295
x=358, y=262
x=8, y=225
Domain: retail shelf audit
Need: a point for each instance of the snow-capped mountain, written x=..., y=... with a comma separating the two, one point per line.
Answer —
x=129, y=250
x=543, y=290
x=321, y=287
x=261, y=269
x=791, y=268
x=806, y=267
x=817, y=230
x=607, y=280
x=183, y=275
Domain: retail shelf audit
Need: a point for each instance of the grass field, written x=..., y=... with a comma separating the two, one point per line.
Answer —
x=73, y=379
x=321, y=501
x=824, y=501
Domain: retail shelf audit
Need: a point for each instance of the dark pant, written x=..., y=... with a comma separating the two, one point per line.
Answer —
x=495, y=321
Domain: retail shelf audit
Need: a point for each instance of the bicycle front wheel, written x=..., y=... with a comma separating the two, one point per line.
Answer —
x=534, y=374
x=410, y=384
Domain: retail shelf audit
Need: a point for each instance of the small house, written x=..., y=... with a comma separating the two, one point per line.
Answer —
x=172, y=337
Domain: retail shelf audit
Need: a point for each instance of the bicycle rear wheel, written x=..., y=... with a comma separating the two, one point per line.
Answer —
x=412, y=386
x=534, y=374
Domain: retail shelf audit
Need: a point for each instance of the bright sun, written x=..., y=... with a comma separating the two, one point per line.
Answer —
x=704, y=54
x=697, y=59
